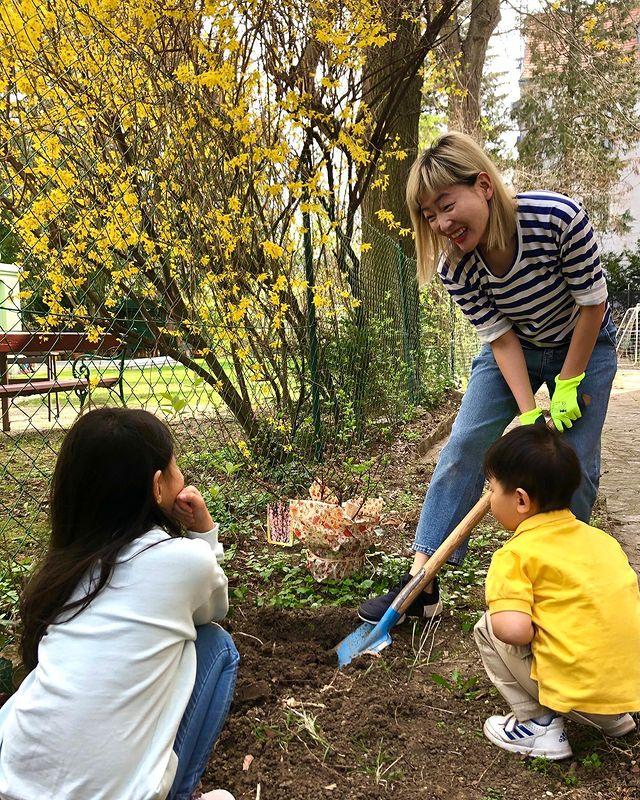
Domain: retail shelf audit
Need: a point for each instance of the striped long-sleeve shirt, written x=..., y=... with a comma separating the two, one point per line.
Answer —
x=555, y=271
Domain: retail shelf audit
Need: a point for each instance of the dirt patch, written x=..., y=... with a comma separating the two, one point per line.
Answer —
x=384, y=727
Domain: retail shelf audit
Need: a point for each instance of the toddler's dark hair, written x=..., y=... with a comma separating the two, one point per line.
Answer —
x=538, y=460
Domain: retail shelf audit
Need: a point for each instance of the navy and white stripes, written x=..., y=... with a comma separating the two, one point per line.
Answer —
x=556, y=270
x=519, y=731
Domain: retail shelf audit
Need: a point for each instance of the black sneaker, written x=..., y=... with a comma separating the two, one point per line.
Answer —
x=426, y=605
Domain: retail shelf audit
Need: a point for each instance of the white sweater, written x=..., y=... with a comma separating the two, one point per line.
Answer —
x=97, y=718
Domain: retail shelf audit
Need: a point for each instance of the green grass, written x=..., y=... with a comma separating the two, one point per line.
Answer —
x=280, y=579
x=143, y=387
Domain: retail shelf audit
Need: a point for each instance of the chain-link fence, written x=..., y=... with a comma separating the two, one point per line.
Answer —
x=130, y=277
x=623, y=280
x=629, y=337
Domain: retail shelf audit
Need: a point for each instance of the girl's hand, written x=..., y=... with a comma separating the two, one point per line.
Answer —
x=191, y=511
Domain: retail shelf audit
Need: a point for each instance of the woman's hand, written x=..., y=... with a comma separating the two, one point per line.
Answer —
x=191, y=511
x=565, y=404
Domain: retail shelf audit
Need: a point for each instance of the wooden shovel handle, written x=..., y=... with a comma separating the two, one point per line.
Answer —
x=428, y=572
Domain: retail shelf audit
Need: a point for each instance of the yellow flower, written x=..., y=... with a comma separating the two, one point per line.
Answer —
x=272, y=249
x=243, y=448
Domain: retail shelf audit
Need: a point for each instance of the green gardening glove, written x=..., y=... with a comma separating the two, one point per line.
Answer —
x=530, y=417
x=565, y=408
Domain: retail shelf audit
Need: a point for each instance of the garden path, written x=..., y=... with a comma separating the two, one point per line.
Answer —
x=620, y=482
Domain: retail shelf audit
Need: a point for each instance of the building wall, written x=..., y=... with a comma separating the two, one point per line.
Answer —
x=627, y=197
x=9, y=298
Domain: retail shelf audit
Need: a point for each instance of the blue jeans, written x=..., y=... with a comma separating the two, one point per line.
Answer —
x=207, y=708
x=487, y=408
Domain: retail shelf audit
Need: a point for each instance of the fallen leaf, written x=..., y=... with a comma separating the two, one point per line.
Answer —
x=331, y=787
x=247, y=762
x=291, y=702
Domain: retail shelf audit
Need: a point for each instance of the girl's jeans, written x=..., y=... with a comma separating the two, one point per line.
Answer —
x=486, y=410
x=207, y=708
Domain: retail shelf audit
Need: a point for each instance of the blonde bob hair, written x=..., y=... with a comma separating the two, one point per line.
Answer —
x=455, y=158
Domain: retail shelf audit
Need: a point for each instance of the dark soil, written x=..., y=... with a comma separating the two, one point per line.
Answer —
x=382, y=727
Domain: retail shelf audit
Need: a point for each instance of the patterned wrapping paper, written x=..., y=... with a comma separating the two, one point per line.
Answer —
x=336, y=536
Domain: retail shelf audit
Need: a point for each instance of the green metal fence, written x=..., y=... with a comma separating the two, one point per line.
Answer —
x=349, y=377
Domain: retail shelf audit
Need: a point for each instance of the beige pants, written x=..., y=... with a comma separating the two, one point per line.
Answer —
x=509, y=669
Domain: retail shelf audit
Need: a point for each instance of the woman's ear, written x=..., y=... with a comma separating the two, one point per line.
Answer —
x=157, y=486
x=485, y=184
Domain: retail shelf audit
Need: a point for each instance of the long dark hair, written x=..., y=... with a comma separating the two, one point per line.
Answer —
x=101, y=499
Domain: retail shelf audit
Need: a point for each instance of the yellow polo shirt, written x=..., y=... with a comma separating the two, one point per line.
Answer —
x=576, y=583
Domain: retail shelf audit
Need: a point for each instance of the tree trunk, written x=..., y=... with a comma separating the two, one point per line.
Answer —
x=468, y=53
x=389, y=286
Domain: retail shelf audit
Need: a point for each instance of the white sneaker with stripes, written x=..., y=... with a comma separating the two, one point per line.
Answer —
x=529, y=738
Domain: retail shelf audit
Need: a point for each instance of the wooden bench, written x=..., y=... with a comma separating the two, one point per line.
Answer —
x=36, y=346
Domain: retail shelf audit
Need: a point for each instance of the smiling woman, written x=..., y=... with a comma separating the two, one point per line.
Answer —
x=451, y=191
x=525, y=270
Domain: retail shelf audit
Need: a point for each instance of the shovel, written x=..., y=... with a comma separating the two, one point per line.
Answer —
x=372, y=639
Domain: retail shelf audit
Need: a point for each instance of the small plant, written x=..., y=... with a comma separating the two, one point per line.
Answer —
x=172, y=402
x=383, y=770
x=423, y=643
x=405, y=501
x=592, y=761
x=540, y=765
x=301, y=720
x=493, y=794
x=409, y=435
x=458, y=684
x=468, y=621
x=263, y=732
x=13, y=574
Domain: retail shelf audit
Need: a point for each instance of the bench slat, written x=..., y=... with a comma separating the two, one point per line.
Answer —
x=28, y=388
x=63, y=341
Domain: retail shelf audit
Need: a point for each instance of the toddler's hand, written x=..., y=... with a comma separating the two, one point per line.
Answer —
x=190, y=509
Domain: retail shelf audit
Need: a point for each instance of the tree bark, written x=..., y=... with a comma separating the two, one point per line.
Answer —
x=389, y=289
x=467, y=55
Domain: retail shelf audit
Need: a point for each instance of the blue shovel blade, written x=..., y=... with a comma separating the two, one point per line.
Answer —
x=367, y=638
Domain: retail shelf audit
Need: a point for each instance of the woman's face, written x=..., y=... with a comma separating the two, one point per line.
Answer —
x=460, y=212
